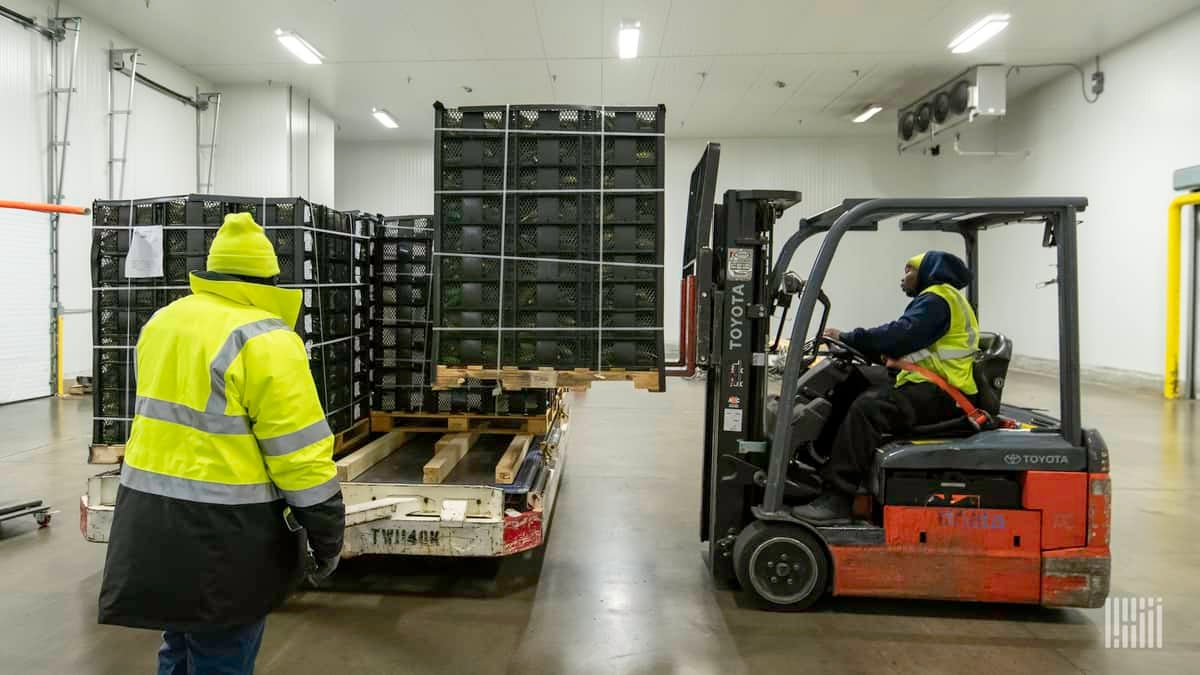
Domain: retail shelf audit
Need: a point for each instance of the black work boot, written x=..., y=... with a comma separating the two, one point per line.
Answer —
x=831, y=508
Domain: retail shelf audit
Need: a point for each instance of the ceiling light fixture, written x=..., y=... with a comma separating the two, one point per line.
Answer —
x=299, y=47
x=980, y=32
x=385, y=118
x=627, y=39
x=871, y=110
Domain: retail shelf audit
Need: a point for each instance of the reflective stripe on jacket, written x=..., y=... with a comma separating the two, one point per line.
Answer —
x=953, y=355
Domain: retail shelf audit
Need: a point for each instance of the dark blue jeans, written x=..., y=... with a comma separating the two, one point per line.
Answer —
x=224, y=652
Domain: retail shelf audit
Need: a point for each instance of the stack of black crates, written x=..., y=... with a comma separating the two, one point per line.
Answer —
x=550, y=237
x=402, y=367
x=401, y=279
x=322, y=252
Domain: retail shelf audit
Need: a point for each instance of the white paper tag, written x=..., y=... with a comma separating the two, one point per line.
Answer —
x=733, y=420
x=145, y=257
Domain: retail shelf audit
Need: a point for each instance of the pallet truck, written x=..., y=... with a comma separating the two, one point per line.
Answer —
x=41, y=513
x=1005, y=505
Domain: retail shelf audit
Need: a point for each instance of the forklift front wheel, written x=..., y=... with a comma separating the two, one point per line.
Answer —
x=780, y=566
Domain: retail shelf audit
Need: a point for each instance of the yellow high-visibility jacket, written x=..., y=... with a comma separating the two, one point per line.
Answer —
x=228, y=431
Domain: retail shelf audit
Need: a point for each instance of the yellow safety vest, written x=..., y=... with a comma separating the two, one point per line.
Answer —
x=226, y=409
x=953, y=355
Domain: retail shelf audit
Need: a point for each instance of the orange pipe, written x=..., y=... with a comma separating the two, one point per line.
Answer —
x=45, y=208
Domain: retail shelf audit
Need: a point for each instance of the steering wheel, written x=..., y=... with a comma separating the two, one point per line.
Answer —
x=841, y=349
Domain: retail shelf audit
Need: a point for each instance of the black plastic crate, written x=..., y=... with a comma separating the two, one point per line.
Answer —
x=397, y=341
x=402, y=373
x=341, y=371
x=268, y=212
x=343, y=419
x=403, y=399
x=522, y=349
x=110, y=431
x=635, y=119
x=634, y=350
x=553, y=162
x=470, y=178
x=550, y=294
x=329, y=313
x=550, y=349
x=632, y=178
x=552, y=225
x=407, y=292
x=171, y=210
x=113, y=390
x=553, y=118
x=403, y=227
x=400, y=314
x=210, y=210
x=473, y=117
x=469, y=399
x=470, y=150
x=633, y=151
x=524, y=402
x=304, y=256
x=469, y=223
x=118, y=314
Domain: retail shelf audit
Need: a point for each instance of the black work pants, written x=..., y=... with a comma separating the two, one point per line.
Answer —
x=882, y=409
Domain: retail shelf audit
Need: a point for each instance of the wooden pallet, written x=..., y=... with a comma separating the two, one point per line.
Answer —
x=450, y=377
x=382, y=422
x=343, y=442
x=352, y=438
x=105, y=454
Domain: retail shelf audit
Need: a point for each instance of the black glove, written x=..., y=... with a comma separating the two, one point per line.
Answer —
x=320, y=570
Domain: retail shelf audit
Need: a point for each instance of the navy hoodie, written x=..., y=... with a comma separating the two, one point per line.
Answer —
x=925, y=320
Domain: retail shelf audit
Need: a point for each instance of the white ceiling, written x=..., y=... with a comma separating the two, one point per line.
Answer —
x=714, y=63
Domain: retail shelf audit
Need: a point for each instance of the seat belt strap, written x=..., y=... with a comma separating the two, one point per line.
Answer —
x=979, y=418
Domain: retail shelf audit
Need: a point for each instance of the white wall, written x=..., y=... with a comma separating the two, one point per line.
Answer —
x=252, y=141
x=394, y=179
x=863, y=283
x=274, y=141
x=1120, y=153
x=397, y=178
x=24, y=343
x=162, y=154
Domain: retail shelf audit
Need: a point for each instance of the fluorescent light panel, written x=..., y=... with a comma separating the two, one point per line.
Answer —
x=867, y=113
x=980, y=32
x=385, y=118
x=299, y=47
x=627, y=39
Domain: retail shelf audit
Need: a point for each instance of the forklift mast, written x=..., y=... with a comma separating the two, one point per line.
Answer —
x=734, y=281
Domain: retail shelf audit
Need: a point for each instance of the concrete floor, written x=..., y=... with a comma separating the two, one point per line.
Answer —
x=622, y=588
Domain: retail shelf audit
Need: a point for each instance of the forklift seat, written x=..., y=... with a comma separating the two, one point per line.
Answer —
x=991, y=369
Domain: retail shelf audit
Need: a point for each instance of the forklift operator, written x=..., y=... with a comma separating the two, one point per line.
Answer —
x=938, y=331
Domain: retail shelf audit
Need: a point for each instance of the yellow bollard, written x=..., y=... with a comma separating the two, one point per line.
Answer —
x=1174, y=239
x=58, y=342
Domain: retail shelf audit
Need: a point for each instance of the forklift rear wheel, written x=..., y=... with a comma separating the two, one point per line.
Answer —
x=780, y=566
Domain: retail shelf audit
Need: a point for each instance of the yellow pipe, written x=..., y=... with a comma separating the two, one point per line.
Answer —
x=1174, y=238
x=58, y=340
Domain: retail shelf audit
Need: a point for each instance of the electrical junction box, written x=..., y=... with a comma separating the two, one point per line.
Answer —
x=1187, y=179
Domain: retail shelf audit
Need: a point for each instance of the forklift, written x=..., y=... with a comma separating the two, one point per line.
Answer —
x=1007, y=504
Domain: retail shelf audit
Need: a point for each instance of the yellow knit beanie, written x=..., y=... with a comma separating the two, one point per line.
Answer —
x=241, y=247
x=915, y=261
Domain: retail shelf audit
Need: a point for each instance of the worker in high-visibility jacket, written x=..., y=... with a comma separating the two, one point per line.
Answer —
x=228, y=467
x=938, y=331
